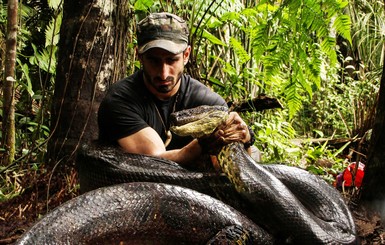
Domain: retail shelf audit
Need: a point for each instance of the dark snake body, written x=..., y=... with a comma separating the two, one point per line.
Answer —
x=140, y=213
x=293, y=205
x=303, y=207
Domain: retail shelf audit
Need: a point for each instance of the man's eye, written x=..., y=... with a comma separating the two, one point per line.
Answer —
x=172, y=60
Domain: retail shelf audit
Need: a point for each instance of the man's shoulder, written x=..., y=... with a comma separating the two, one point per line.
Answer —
x=128, y=87
x=192, y=83
x=125, y=93
x=127, y=82
x=196, y=93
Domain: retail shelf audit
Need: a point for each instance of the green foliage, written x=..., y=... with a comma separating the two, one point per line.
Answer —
x=274, y=138
x=143, y=5
x=25, y=83
x=3, y=13
x=35, y=71
x=324, y=160
x=53, y=31
x=368, y=28
x=55, y=4
x=343, y=106
x=270, y=47
x=273, y=47
x=44, y=59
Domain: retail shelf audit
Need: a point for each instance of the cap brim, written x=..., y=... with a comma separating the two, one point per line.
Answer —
x=168, y=45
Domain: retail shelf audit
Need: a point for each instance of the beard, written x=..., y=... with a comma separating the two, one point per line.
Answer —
x=157, y=82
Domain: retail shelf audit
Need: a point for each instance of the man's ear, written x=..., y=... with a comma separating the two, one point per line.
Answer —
x=186, y=54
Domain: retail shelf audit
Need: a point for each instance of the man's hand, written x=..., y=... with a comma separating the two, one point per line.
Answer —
x=233, y=130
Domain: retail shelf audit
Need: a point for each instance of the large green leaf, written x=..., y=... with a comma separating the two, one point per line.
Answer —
x=143, y=5
x=212, y=38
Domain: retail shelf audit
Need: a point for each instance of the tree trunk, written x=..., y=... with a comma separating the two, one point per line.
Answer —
x=374, y=180
x=92, y=54
x=8, y=125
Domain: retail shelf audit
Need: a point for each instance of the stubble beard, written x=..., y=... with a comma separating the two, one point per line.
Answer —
x=164, y=89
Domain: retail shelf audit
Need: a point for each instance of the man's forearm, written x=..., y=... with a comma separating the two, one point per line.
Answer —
x=185, y=156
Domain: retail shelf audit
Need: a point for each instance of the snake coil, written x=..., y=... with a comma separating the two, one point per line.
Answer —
x=162, y=203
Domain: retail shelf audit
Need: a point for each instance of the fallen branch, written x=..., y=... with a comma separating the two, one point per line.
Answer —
x=260, y=103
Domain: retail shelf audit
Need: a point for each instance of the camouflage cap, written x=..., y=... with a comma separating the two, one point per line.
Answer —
x=162, y=30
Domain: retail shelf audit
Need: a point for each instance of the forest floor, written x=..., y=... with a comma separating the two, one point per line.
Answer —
x=44, y=191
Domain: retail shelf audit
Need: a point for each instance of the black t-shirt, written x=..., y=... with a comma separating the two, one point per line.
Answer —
x=129, y=107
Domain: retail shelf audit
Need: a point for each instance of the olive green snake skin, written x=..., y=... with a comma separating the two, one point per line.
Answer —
x=167, y=204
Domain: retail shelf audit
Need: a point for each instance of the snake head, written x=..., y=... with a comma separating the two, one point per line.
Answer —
x=199, y=121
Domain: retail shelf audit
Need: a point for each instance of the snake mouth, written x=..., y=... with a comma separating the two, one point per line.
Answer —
x=198, y=121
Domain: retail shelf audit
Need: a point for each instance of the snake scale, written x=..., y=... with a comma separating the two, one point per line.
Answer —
x=163, y=203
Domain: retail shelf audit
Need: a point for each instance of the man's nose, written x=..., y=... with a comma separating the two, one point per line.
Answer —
x=164, y=71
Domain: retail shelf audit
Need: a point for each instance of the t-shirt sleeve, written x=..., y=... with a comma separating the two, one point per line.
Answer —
x=207, y=97
x=119, y=115
x=197, y=94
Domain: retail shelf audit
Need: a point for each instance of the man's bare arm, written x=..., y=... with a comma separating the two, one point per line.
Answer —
x=147, y=141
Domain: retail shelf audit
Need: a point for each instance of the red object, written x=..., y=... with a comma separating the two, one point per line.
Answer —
x=349, y=173
x=346, y=177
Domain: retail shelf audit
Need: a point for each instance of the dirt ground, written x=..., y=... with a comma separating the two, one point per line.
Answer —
x=45, y=191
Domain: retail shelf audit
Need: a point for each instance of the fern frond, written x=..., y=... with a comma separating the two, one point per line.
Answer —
x=313, y=65
x=327, y=46
x=293, y=98
x=52, y=32
x=259, y=37
x=55, y=4
x=241, y=53
x=342, y=24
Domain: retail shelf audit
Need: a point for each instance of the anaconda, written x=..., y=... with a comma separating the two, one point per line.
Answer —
x=144, y=213
x=291, y=204
x=313, y=215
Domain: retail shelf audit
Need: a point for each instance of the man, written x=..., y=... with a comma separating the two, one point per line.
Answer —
x=134, y=114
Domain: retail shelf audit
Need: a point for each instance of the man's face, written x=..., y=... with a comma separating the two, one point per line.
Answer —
x=163, y=70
